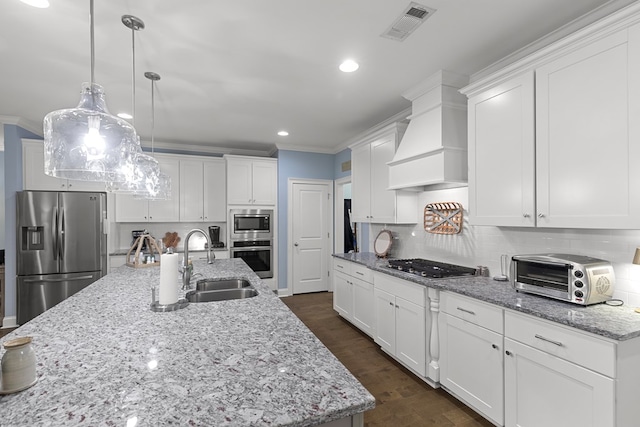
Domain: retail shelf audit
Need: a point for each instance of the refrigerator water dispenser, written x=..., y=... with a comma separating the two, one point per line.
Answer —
x=32, y=238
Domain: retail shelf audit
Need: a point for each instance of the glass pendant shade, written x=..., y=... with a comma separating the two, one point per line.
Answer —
x=87, y=143
x=158, y=188
x=133, y=169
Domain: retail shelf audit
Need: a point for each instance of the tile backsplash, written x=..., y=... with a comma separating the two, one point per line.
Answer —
x=120, y=235
x=483, y=245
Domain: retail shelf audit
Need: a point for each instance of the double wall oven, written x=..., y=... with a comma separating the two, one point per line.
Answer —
x=252, y=239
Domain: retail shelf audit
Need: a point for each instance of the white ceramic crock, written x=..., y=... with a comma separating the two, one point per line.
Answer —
x=18, y=365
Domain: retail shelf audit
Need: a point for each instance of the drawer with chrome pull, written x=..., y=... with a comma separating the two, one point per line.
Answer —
x=342, y=265
x=564, y=342
x=479, y=313
x=361, y=272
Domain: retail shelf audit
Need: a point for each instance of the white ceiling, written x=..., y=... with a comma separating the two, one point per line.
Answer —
x=236, y=72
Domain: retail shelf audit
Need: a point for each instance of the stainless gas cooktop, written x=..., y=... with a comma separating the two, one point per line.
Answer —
x=431, y=269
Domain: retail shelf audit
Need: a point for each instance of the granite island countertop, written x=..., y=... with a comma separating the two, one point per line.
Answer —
x=104, y=358
x=614, y=322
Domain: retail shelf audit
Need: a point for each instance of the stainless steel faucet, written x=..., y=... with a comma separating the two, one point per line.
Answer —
x=186, y=268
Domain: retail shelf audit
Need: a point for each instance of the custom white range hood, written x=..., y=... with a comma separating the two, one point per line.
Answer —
x=433, y=151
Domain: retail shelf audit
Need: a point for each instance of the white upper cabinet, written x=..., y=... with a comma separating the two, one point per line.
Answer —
x=372, y=201
x=502, y=154
x=587, y=133
x=251, y=180
x=561, y=155
x=215, y=190
x=34, y=178
x=202, y=190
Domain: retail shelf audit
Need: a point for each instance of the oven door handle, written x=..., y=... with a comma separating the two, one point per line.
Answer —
x=252, y=248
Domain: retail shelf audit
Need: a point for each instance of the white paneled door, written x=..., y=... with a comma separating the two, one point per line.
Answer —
x=310, y=237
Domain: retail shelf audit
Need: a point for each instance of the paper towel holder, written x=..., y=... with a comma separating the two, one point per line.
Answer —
x=156, y=306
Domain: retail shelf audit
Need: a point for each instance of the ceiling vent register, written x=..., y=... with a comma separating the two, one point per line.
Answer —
x=414, y=15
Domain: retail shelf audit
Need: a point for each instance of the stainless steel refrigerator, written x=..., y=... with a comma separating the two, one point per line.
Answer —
x=61, y=247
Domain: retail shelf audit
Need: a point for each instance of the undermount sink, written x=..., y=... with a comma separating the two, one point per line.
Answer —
x=219, y=284
x=220, y=294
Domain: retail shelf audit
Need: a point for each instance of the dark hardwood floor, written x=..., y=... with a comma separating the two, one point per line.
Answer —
x=6, y=331
x=401, y=398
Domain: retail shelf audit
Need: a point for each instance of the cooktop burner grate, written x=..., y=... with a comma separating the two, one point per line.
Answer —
x=431, y=269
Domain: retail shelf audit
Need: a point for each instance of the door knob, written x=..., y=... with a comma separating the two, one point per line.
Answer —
x=295, y=244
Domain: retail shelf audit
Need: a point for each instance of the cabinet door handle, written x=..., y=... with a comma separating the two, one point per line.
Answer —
x=540, y=337
x=540, y=215
x=339, y=266
x=508, y=353
x=466, y=311
x=390, y=303
x=494, y=346
x=360, y=273
x=397, y=306
x=526, y=215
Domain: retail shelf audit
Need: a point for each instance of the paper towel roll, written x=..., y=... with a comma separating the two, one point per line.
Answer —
x=168, y=279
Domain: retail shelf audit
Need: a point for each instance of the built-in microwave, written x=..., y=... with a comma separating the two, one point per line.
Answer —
x=251, y=224
x=573, y=278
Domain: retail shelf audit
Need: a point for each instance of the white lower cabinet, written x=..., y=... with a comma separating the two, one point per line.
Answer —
x=471, y=354
x=342, y=295
x=539, y=387
x=353, y=294
x=555, y=376
x=400, y=321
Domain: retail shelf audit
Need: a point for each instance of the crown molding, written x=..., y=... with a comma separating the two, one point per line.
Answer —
x=35, y=128
x=601, y=20
x=306, y=148
x=398, y=117
x=188, y=148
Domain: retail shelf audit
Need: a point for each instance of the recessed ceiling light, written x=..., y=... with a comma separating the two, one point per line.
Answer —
x=283, y=133
x=42, y=4
x=125, y=116
x=349, y=66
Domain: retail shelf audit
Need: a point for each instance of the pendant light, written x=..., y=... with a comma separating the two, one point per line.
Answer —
x=162, y=190
x=87, y=143
x=139, y=168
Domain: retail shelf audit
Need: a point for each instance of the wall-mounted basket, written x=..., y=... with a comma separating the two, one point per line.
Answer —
x=443, y=218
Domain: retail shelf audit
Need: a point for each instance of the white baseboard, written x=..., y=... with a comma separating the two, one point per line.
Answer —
x=284, y=292
x=9, y=322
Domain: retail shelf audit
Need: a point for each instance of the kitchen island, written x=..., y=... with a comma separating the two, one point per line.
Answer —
x=104, y=358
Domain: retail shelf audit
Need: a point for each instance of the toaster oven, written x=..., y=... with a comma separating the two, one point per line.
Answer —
x=573, y=278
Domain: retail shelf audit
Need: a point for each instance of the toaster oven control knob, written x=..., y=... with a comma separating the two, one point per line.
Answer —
x=578, y=273
x=579, y=294
x=578, y=284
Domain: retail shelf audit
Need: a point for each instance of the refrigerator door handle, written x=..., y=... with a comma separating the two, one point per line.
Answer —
x=54, y=234
x=58, y=280
x=62, y=237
